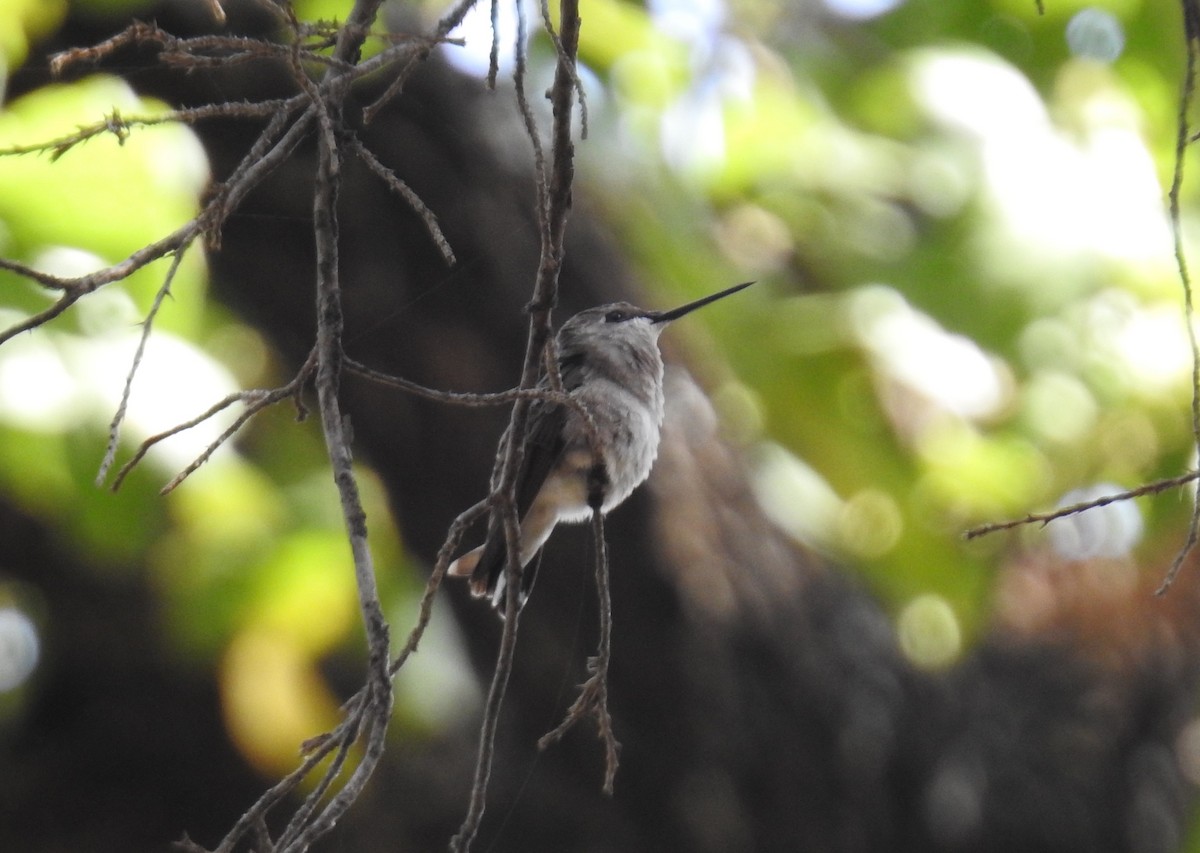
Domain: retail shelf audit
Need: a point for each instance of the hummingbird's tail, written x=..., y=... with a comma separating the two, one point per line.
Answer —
x=485, y=568
x=465, y=565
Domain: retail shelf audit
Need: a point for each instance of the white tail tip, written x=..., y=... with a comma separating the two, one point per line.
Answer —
x=465, y=565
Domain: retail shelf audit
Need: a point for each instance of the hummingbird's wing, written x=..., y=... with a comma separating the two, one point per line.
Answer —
x=543, y=448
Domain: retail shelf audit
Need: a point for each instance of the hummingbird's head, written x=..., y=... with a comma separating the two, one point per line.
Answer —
x=621, y=339
x=620, y=323
x=616, y=327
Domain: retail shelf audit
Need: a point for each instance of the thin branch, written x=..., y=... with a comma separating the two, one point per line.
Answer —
x=272, y=148
x=303, y=815
x=465, y=398
x=445, y=554
x=199, y=51
x=368, y=714
x=45, y=279
x=494, y=54
x=319, y=749
x=76, y=288
x=563, y=174
x=1044, y=518
x=531, y=130
x=566, y=59
x=137, y=33
x=42, y=317
x=112, y=123
x=1191, y=26
x=461, y=842
x=114, y=428
x=1176, y=564
x=447, y=23
x=403, y=190
x=374, y=739
x=211, y=50
x=256, y=401
x=593, y=693
x=411, y=50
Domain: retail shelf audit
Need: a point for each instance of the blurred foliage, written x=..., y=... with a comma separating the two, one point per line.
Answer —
x=241, y=551
x=970, y=302
x=22, y=21
x=968, y=308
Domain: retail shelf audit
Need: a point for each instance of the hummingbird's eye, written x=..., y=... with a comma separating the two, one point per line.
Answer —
x=616, y=316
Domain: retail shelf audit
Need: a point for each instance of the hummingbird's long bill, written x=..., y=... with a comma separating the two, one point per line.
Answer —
x=676, y=313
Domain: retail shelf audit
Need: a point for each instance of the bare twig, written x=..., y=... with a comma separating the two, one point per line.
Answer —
x=445, y=553
x=302, y=817
x=200, y=51
x=566, y=60
x=45, y=279
x=42, y=317
x=1045, y=518
x=494, y=54
x=531, y=130
x=561, y=99
x=319, y=749
x=135, y=34
x=461, y=842
x=256, y=401
x=403, y=190
x=593, y=693
x=272, y=148
x=112, y=123
x=1191, y=27
x=447, y=23
x=467, y=398
x=306, y=828
x=1189, y=544
x=76, y=288
x=114, y=428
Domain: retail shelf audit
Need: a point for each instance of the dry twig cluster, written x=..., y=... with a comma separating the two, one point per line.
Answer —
x=325, y=61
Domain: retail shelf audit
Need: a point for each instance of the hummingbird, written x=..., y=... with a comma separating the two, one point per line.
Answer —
x=608, y=360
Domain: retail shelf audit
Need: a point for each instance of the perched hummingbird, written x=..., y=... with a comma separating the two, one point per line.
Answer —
x=609, y=361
